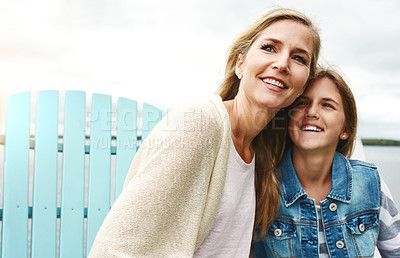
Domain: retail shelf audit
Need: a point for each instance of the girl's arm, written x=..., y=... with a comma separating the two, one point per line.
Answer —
x=389, y=225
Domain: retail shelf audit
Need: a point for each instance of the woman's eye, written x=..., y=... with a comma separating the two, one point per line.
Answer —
x=268, y=48
x=300, y=59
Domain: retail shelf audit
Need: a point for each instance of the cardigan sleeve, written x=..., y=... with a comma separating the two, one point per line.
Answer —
x=172, y=190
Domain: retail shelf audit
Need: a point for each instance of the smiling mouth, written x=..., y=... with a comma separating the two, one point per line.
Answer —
x=311, y=128
x=274, y=83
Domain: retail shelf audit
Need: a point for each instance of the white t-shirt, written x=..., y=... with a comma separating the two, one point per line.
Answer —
x=231, y=233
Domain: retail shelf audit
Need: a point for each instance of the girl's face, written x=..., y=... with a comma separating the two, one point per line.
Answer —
x=317, y=121
x=277, y=65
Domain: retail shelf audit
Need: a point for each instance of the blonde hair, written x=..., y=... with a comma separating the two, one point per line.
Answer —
x=269, y=144
x=230, y=85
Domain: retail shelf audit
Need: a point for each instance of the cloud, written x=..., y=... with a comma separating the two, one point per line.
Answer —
x=169, y=52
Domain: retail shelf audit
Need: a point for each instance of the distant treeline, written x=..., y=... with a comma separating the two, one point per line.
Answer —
x=380, y=142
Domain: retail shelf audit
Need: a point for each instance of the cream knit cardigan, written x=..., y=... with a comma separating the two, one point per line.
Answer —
x=173, y=188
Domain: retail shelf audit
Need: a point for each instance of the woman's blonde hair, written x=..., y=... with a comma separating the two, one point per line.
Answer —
x=269, y=144
x=230, y=85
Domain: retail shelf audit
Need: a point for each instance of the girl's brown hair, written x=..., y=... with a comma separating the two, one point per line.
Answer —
x=345, y=147
x=270, y=142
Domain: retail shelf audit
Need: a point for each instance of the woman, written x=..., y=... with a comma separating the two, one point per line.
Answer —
x=330, y=206
x=190, y=189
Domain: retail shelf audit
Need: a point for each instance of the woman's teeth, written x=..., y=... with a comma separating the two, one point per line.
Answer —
x=274, y=82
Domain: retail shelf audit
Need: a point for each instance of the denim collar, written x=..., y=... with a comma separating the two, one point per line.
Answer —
x=341, y=180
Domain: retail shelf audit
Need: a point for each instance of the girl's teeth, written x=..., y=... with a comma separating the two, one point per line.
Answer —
x=312, y=128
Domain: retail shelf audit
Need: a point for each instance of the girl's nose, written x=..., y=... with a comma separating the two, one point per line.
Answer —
x=311, y=112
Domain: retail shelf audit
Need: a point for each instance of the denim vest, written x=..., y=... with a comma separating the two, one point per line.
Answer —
x=350, y=213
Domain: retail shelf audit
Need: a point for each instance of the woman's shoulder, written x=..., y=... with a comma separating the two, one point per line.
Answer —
x=202, y=115
x=201, y=108
x=194, y=122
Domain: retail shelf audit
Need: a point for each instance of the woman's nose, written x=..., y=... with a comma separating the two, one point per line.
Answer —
x=282, y=63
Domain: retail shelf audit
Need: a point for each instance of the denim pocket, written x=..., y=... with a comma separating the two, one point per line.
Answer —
x=364, y=230
x=281, y=238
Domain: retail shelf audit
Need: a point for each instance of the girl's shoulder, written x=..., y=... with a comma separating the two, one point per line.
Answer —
x=361, y=163
x=363, y=171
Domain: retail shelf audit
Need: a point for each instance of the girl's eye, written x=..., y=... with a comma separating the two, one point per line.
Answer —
x=268, y=48
x=300, y=59
x=301, y=103
x=328, y=105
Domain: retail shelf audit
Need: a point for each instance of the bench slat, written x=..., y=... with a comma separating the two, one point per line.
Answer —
x=44, y=208
x=16, y=177
x=126, y=140
x=79, y=221
x=73, y=176
x=99, y=165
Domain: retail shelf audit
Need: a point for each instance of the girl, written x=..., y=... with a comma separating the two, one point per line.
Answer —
x=330, y=206
x=190, y=190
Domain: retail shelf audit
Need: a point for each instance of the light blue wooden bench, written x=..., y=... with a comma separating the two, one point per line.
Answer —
x=65, y=227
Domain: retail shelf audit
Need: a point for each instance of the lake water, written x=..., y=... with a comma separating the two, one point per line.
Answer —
x=387, y=158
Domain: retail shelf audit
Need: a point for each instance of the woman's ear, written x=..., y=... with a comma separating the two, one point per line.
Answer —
x=239, y=66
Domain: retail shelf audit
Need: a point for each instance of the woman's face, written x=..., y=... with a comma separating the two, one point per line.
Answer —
x=317, y=120
x=277, y=65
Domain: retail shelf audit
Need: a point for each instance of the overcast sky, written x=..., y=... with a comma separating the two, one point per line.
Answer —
x=172, y=52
